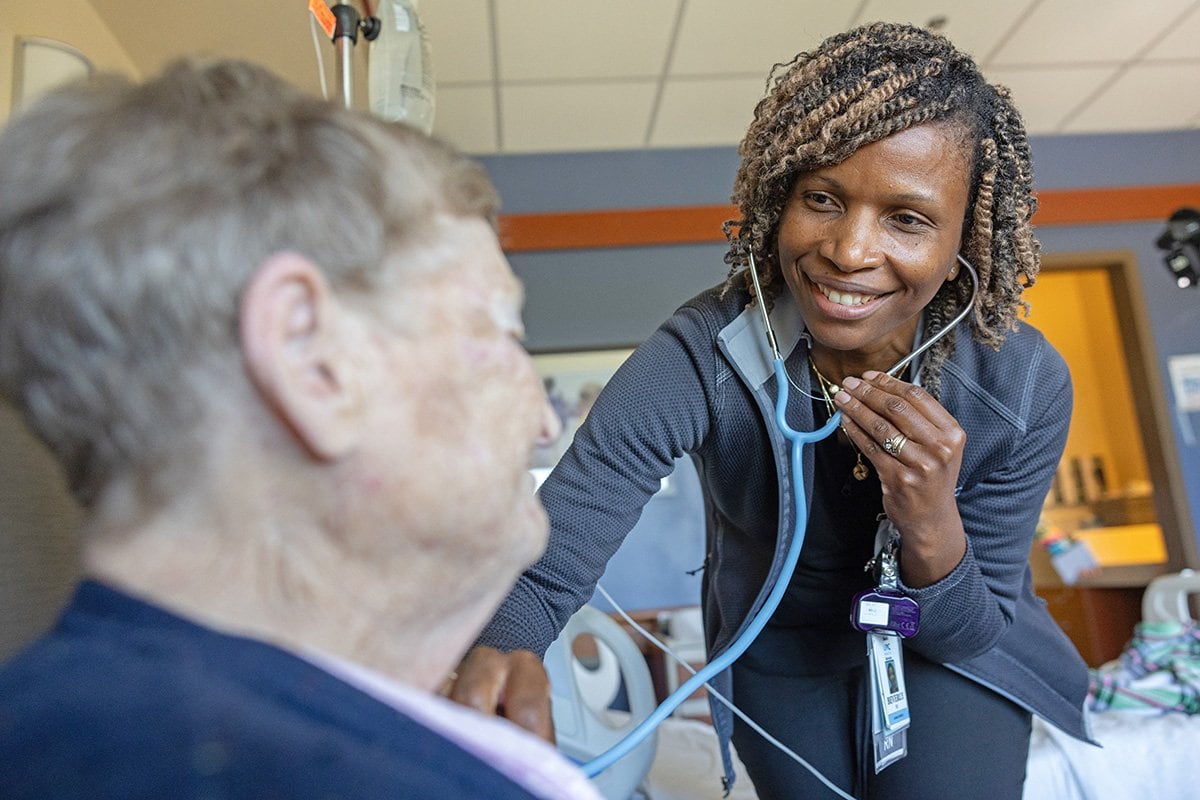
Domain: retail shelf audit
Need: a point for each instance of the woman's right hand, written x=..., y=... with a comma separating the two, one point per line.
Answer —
x=919, y=476
x=510, y=685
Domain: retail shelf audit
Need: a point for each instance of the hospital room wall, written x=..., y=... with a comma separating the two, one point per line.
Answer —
x=73, y=22
x=595, y=298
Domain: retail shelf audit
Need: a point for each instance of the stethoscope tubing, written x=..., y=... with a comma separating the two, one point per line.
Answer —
x=797, y=439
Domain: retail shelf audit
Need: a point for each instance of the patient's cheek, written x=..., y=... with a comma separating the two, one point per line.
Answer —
x=482, y=354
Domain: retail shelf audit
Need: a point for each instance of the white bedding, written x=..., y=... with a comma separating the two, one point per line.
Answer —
x=1144, y=757
x=687, y=765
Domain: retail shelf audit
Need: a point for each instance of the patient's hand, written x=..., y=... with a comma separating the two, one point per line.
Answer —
x=511, y=685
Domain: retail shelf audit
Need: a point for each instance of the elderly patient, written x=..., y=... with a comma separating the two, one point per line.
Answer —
x=275, y=347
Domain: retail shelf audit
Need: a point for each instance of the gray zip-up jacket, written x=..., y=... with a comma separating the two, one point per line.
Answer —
x=703, y=384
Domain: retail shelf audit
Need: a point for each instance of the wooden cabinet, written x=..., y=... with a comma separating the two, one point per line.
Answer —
x=1098, y=620
x=1098, y=612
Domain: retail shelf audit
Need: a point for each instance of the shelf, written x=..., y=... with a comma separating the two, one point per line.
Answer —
x=1125, y=545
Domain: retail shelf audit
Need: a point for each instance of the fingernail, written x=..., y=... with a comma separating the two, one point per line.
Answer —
x=841, y=398
x=851, y=382
x=871, y=374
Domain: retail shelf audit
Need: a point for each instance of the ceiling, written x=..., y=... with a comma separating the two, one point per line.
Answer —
x=525, y=76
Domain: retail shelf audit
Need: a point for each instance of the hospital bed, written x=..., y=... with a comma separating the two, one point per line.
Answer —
x=1143, y=755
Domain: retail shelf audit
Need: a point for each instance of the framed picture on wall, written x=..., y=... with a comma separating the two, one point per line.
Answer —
x=572, y=380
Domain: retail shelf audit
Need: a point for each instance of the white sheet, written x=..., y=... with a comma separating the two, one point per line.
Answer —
x=1144, y=757
x=687, y=765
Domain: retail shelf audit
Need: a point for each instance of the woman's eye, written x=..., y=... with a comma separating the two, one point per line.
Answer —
x=819, y=200
x=909, y=220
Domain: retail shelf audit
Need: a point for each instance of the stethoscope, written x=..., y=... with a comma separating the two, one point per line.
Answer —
x=797, y=440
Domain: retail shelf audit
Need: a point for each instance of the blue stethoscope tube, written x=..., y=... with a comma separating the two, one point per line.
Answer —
x=797, y=439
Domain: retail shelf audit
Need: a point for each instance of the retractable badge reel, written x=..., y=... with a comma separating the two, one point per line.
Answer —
x=886, y=616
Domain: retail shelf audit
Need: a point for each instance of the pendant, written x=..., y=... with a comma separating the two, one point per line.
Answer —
x=860, y=472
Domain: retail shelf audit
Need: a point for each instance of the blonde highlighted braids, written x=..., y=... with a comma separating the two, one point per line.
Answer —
x=859, y=87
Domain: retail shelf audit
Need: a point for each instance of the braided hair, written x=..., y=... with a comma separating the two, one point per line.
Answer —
x=856, y=88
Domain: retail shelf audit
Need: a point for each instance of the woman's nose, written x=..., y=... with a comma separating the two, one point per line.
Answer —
x=853, y=243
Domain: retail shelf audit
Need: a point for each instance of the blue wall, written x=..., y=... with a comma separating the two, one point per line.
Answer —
x=617, y=296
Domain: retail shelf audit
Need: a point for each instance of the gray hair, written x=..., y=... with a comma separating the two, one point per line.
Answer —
x=131, y=218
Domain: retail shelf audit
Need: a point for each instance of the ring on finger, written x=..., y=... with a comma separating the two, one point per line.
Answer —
x=894, y=444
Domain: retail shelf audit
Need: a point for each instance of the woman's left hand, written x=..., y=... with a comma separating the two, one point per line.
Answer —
x=916, y=447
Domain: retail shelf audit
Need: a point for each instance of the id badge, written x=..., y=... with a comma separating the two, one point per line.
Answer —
x=885, y=615
x=885, y=610
x=889, y=747
x=887, y=680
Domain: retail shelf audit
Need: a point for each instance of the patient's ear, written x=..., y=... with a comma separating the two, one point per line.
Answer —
x=294, y=341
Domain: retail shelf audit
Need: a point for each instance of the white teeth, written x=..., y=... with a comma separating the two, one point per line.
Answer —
x=846, y=298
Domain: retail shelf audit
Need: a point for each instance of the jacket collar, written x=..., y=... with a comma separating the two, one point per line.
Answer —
x=745, y=340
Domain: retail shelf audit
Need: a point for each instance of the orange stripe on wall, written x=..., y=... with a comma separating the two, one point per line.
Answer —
x=580, y=230
x=583, y=230
x=1125, y=204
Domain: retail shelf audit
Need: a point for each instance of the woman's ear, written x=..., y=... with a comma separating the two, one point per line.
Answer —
x=294, y=342
x=953, y=273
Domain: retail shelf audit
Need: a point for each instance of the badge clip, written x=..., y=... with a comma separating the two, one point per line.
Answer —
x=885, y=608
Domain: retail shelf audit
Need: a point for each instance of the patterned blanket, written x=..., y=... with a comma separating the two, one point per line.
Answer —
x=1159, y=671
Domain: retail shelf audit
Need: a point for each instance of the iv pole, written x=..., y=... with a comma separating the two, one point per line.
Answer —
x=345, y=37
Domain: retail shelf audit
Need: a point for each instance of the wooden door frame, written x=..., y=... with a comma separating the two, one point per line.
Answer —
x=1150, y=405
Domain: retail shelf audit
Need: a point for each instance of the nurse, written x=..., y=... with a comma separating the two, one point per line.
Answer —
x=872, y=165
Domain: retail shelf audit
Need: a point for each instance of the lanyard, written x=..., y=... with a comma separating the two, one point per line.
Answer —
x=886, y=616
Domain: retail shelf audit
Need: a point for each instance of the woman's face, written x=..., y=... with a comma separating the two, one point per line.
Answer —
x=865, y=244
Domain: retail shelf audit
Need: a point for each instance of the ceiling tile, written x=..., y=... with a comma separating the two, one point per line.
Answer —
x=705, y=113
x=466, y=117
x=1148, y=97
x=1087, y=31
x=716, y=37
x=701, y=113
x=975, y=26
x=1046, y=96
x=1182, y=39
x=460, y=39
x=541, y=40
x=578, y=116
x=547, y=42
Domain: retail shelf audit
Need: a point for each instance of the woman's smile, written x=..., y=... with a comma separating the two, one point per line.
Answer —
x=846, y=298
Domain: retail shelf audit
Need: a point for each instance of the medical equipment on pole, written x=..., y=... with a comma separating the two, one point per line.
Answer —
x=400, y=83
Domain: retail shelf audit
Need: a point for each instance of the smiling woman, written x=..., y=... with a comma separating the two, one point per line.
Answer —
x=874, y=164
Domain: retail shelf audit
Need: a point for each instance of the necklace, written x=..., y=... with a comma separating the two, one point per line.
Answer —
x=828, y=390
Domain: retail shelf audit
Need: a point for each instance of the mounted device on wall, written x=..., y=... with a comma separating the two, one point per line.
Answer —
x=1181, y=241
x=41, y=64
x=399, y=71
